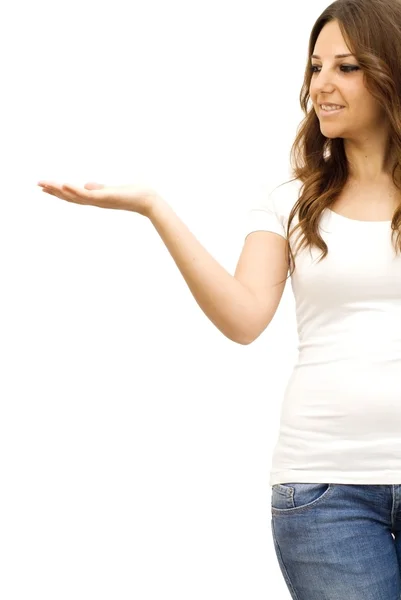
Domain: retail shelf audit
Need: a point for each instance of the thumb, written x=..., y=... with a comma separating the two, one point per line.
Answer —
x=93, y=186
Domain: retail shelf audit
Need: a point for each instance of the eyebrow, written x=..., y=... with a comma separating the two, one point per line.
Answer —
x=336, y=56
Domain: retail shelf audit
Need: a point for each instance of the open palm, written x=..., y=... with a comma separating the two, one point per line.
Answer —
x=134, y=198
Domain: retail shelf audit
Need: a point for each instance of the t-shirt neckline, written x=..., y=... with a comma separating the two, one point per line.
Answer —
x=356, y=220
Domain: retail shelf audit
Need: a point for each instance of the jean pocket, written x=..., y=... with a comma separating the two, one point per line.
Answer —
x=292, y=496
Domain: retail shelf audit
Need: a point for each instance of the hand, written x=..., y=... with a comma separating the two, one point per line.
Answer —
x=134, y=198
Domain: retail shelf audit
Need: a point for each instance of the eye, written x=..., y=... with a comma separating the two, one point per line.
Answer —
x=347, y=68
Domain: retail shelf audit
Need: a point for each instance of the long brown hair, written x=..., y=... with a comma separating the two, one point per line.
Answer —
x=372, y=31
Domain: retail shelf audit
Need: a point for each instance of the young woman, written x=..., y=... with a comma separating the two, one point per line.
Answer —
x=336, y=473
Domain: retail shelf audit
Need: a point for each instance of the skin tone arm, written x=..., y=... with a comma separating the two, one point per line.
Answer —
x=227, y=303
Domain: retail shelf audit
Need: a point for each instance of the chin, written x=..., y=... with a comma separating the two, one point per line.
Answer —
x=331, y=136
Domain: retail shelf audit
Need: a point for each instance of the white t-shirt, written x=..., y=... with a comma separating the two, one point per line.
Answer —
x=341, y=412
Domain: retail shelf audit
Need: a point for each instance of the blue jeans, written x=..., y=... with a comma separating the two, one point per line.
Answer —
x=338, y=541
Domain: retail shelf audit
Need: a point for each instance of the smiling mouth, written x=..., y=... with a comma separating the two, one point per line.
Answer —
x=333, y=111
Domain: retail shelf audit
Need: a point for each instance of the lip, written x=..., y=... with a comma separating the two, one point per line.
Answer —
x=326, y=113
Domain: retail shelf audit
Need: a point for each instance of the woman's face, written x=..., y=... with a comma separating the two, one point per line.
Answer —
x=341, y=81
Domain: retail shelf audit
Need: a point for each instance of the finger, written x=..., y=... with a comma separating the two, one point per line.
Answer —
x=69, y=192
x=69, y=188
x=51, y=186
x=78, y=194
x=93, y=186
x=61, y=191
x=48, y=183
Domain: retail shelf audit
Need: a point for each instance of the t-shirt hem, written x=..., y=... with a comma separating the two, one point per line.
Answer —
x=356, y=478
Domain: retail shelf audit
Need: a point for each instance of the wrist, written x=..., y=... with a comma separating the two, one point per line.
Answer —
x=154, y=202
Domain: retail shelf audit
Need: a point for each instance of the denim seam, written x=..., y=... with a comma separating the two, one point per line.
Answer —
x=288, y=580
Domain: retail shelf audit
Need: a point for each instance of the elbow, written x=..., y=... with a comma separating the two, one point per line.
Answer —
x=246, y=341
x=253, y=337
x=238, y=340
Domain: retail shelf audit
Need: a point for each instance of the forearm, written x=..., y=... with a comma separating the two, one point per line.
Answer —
x=229, y=305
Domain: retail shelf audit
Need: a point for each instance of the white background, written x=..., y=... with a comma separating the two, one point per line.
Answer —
x=135, y=439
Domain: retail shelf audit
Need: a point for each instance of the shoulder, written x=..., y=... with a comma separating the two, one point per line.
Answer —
x=283, y=197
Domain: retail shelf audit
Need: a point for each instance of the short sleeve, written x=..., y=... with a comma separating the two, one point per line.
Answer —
x=263, y=216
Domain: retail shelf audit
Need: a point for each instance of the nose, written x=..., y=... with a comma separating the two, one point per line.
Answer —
x=322, y=84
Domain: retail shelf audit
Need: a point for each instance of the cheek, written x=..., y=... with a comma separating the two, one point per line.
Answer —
x=367, y=108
